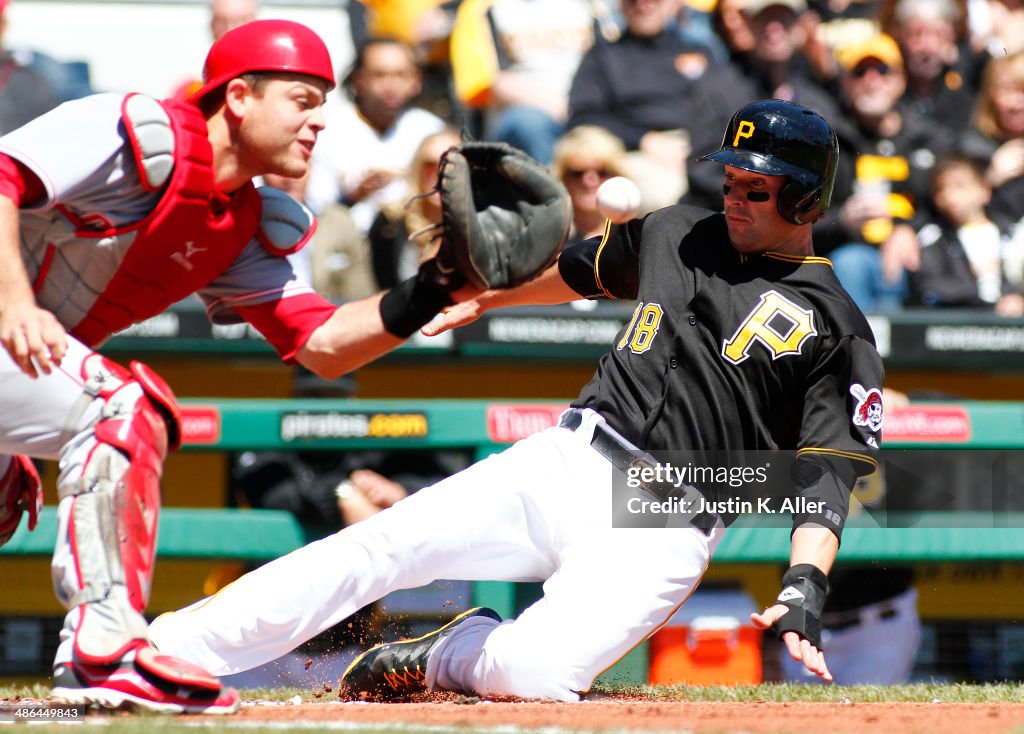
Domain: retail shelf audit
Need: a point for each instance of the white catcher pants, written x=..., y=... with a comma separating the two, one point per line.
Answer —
x=34, y=415
x=539, y=511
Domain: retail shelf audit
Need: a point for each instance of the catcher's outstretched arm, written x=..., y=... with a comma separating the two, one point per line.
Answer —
x=360, y=331
x=353, y=336
x=546, y=289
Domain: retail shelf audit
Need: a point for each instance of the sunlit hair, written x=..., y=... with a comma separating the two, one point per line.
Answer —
x=1012, y=67
x=419, y=158
x=413, y=211
x=591, y=143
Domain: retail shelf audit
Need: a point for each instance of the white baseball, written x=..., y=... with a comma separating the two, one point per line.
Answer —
x=618, y=199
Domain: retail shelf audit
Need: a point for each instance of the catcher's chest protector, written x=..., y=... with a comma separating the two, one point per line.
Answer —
x=189, y=239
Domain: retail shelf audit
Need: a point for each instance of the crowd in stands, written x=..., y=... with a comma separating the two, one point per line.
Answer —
x=926, y=97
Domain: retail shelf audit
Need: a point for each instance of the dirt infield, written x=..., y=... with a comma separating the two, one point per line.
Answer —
x=701, y=718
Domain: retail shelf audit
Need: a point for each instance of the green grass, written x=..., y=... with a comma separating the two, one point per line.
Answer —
x=768, y=692
x=124, y=723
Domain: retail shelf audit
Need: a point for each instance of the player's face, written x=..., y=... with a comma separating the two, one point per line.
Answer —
x=751, y=212
x=281, y=124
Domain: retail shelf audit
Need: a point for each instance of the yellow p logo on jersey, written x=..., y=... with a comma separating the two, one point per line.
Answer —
x=777, y=323
x=745, y=130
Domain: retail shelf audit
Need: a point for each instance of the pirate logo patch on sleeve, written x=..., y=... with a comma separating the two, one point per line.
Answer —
x=868, y=412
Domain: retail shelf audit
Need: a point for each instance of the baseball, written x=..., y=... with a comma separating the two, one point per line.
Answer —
x=618, y=199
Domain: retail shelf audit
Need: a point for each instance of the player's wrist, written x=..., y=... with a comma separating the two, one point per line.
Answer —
x=804, y=589
x=804, y=577
x=415, y=301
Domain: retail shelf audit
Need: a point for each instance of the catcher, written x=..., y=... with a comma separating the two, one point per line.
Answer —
x=114, y=207
x=741, y=340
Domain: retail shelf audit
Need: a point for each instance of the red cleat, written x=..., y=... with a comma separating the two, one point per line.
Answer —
x=146, y=680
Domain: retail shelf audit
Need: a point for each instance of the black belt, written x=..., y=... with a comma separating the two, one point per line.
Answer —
x=624, y=457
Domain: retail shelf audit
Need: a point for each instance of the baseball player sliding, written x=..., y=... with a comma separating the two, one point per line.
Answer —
x=742, y=339
x=111, y=209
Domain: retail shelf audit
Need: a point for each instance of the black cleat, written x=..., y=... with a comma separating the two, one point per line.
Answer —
x=397, y=669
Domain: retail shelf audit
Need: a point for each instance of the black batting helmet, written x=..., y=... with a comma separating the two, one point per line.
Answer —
x=779, y=138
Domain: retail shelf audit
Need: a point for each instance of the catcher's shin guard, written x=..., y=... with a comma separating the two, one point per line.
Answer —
x=20, y=492
x=114, y=504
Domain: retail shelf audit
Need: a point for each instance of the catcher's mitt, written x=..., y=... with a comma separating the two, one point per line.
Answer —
x=505, y=217
x=20, y=492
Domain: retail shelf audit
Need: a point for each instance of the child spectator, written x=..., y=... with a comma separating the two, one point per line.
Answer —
x=967, y=259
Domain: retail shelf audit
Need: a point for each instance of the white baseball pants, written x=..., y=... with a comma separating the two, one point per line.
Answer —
x=539, y=511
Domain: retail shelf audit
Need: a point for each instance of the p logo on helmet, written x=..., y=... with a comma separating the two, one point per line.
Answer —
x=778, y=138
x=744, y=130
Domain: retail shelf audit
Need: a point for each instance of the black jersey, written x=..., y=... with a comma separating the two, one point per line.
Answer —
x=726, y=351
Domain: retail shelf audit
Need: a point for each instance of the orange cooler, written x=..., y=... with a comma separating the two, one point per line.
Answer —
x=708, y=642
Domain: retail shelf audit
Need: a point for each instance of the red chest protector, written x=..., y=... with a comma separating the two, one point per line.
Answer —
x=190, y=238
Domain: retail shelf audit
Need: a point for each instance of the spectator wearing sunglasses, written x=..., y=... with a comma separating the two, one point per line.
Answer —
x=584, y=158
x=886, y=157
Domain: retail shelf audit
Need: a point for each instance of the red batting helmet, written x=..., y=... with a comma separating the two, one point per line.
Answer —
x=265, y=45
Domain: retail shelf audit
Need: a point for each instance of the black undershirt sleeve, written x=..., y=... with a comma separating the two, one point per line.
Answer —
x=607, y=266
x=827, y=480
